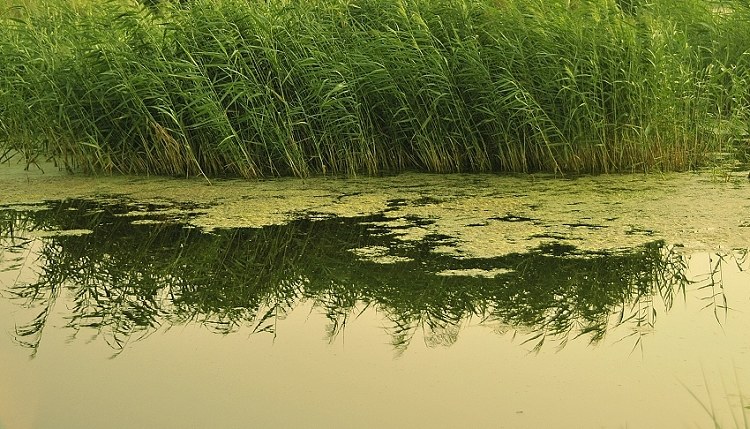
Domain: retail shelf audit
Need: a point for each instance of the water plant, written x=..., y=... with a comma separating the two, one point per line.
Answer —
x=248, y=88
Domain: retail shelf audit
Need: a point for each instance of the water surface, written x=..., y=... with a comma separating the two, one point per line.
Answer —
x=407, y=309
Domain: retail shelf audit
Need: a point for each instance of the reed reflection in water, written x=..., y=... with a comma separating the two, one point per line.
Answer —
x=124, y=276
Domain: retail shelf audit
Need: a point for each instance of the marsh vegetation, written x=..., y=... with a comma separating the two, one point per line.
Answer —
x=256, y=88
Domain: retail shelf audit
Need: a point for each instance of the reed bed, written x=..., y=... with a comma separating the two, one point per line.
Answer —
x=255, y=88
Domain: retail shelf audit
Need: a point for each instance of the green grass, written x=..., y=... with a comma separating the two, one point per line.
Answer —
x=249, y=88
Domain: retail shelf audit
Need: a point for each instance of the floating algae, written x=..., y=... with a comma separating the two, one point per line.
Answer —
x=378, y=254
x=483, y=215
x=475, y=272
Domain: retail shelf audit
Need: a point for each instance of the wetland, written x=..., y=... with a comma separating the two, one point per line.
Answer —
x=533, y=287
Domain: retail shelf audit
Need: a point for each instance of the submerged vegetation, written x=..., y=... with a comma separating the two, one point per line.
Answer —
x=288, y=87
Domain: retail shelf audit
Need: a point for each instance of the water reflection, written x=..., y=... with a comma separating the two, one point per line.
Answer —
x=122, y=270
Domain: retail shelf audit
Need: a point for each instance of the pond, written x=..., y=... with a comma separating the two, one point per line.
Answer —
x=406, y=301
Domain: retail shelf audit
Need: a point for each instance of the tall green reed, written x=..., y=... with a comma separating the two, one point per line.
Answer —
x=247, y=88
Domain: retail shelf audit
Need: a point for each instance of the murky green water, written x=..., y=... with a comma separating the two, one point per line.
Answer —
x=132, y=312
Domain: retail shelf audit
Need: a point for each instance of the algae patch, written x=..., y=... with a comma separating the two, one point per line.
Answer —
x=378, y=255
x=480, y=215
x=475, y=272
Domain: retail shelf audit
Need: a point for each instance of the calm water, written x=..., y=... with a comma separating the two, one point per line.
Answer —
x=117, y=320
